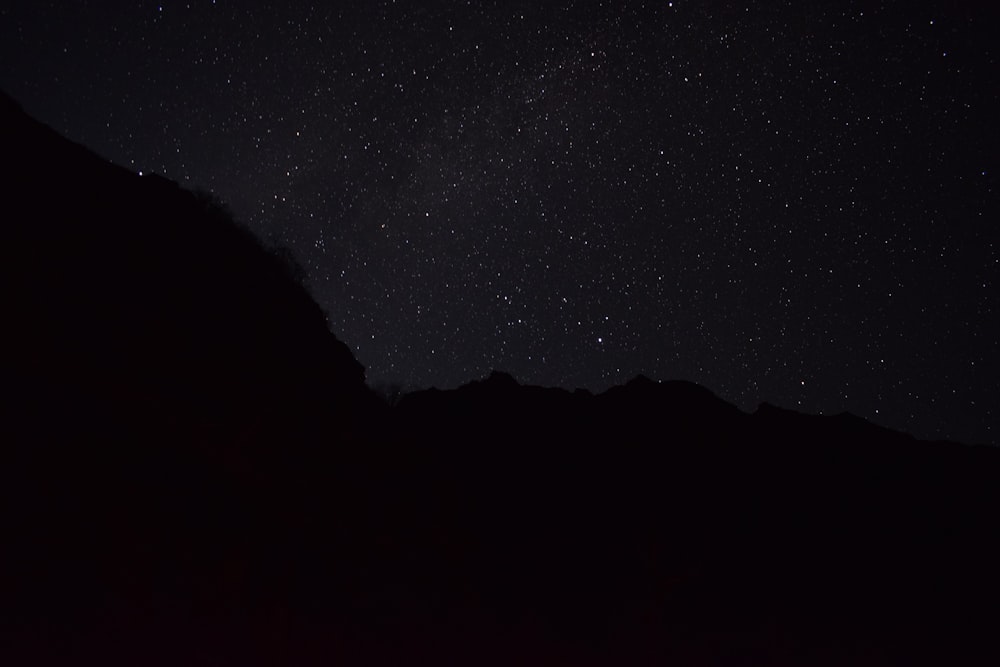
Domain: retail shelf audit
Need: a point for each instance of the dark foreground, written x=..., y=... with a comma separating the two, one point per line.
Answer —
x=194, y=472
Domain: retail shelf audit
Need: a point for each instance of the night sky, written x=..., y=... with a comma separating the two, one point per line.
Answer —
x=785, y=202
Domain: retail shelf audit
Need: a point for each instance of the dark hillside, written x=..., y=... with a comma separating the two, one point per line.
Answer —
x=169, y=387
x=194, y=472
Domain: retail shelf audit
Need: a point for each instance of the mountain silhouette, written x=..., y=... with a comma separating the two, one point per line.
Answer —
x=194, y=472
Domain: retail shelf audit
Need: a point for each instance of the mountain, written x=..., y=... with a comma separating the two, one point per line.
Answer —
x=164, y=375
x=195, y=472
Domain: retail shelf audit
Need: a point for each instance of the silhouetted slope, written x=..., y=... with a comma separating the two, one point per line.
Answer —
x=169, y=385
x=194, y=473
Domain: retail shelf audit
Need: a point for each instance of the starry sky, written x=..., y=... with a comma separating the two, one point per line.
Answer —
x=783, y=201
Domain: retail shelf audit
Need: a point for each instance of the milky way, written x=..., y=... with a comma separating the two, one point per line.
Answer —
x=784, y=203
